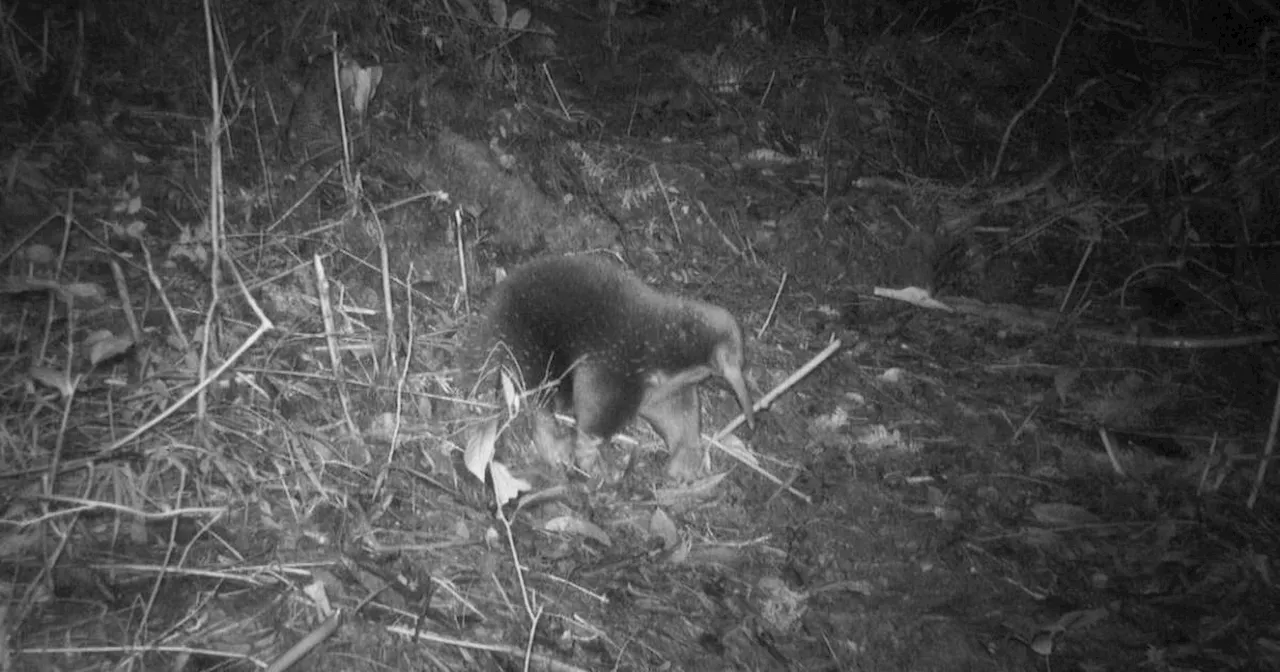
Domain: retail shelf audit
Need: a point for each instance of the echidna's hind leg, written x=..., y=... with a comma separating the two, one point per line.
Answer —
x=676, y=417
x=549, y=439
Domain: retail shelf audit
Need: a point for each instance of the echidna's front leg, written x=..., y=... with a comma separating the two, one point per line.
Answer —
x=598, y=402
x=677, y=418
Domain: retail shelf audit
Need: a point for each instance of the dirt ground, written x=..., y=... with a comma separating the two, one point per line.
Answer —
x=1005, y=277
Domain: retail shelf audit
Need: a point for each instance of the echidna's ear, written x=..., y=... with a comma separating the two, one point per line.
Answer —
x=729, y=361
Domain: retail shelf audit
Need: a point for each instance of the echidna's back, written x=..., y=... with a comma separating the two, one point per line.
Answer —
x=554, y=310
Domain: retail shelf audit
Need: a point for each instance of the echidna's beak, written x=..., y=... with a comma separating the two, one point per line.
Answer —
x=734, y=377
x=728, y=361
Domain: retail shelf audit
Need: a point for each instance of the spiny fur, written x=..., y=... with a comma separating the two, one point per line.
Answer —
x=557, y=313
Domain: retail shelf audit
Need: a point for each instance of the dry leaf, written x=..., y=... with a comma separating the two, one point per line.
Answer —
x=1054, y=513
x=58, y=380
x=498, y=12
x=509, y=394
x=84, y=290
x=1063, y=381
x=578, y=526
x=505, y=486
x=778, y=604
x=482, y=442
x=519, y=20
x=106, y=347
x=662, y=527
x=319, y=597
x=381, y=428
x=39, y=254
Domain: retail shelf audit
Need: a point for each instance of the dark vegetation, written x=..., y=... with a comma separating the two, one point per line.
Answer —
x=234, y=422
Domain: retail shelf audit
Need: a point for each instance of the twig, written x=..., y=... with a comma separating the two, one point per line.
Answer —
x=1176, y=265
x=671, y=211
x=306, y=644
x=737, y=252
x=434, y=194
x=71, y=381
x=772, y=307
x=264, y=326
x=545, y=663
x=284, y=217
x=331, y=340
x=462, y=259
x=82, y=505
x=533, y=628
x=764, y=402
x=22, y=240
x=126, y=302
x=216, y=203
x=744, y=457
x=1053, y=74
x=1108, y=442
x=1266, y=453
x=165, y=564
x=174, y=323
x=348, y=178
x=559, y=101
x=515, y=559
x=78, y=650
x=1208, y=464
x=1066, y=296
x=67, y=219
x=388, y=308
x=400, y=384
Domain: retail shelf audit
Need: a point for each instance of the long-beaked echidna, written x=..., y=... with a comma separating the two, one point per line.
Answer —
x=614, y=348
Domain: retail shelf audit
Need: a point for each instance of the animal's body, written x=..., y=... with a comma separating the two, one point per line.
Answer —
x=614, y=348
x=313, y=128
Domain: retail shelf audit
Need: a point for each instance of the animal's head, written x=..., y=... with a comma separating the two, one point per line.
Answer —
x=728, y=357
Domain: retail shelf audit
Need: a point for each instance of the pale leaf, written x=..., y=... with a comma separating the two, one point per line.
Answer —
x=662, y=527
x=39, y=254
x=469, y=9
x=58, y=380
x=519, y=20
x=17, y=543
x=1079, y=620
x=1057, y=513
x=481, y=444
x=572, y=525
x=509, y=394
x=319, y=596
x=505, y=486
x=366, y=85
x=498, y=12
x=84, y=290
x=106, y=348
x=381, y=428
x=97, y=335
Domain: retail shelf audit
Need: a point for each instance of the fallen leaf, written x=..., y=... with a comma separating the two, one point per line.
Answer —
x=58, y=380
x=578, y=526
x=506, y=487
x=482, y=442
x=662, y=527
x=102, y=349
x=1057, y=513
x=519, y=20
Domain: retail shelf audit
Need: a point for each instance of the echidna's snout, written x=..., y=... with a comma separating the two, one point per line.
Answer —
x=729, y=361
